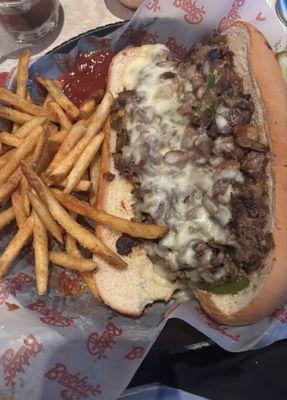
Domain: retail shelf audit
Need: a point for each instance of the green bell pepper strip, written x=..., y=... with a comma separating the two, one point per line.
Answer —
x=234, y=286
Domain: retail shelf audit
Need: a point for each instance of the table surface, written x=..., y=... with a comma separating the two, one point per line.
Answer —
x=78, y=16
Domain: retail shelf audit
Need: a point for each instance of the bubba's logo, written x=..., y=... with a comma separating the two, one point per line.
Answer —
x=51, y=317
x=214, y=325
x=232, y=16
x=77, y=387
x=153, y=5
x=136, y=353
x=281, y=314
x=98, y=344
x=13, y=363
x=260, y=17
x=140, y=36
x=178, y=49
x=194, y=14
x=11, y=286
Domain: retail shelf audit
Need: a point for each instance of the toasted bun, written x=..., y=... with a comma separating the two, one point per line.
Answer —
x=129, y=291
x=261, y=74
x=133, y=4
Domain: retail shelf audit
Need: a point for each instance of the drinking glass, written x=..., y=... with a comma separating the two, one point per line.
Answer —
x=29, y=20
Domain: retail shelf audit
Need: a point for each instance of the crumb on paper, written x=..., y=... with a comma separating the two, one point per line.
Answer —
x=12, y=306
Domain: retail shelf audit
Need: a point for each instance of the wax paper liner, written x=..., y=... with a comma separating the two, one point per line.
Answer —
x=73, y=347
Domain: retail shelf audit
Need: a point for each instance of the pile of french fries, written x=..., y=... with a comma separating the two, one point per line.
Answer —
x=50, y=153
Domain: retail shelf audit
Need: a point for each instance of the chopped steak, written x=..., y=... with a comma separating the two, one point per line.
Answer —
x=187, y=141
x=125, y=244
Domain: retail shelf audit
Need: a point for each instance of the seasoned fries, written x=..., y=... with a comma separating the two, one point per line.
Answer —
x=21, y=104
x=45, y=216
x=19, y=211
x=15, y=245
x=83, y=162
x=84, y=237
x=21, y=153
x=95, y=176
x=135, y=229
x=40, y=245
x=22, y=79
x=57, y=94
x=10, y=140
x=8, y=187
x=68, y=261
x=60, y=115
x=6, y=217
x=14, y=115
x=28, y=127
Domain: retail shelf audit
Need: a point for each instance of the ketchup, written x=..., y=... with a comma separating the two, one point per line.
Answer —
x=88, y=76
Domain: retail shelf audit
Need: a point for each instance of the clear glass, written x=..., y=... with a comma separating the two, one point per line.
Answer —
x=29, y=20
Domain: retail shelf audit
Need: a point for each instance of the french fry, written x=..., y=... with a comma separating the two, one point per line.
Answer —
x=23, y=190
x=21, y=153
x=8, y=187
x=84, y=237
x=73, y=136
x=96, y=123
x=56, y=93
x=29, y=97
x=87, y=108
x=90, y=281
x=95, y=176
x=5, y=157
x=83, y=162
x=21, y=104
x=22, y=74
x=44, y=214
x=19, y=211
x=82, y=186
x=135, y=229
x=14, y=115
x=40, y=244
x=29, y=126
x=22, y=78
x=6, y=217
x=40, y=155
x=60, y=115
x=1, y=148
x=58, y=137
x=71, y=243
x=67, y=261
x=10, y=140
x=15, y=245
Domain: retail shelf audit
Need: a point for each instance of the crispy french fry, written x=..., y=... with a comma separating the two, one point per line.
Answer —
x=82, y=186
x=40, y=157
x=60, y=115
x=135, y=229
x=10, y=140
x=58, y=137
x=22, y=74
x=56, y=93
x=95, y=176
x=84, y=237
x=40, y=244
x=29, y=126
x=21, y=153
x=14, y=100
x=97, y=121
x=47, y=100
x=18, y=209
x=68, y=261
x=6, y=217
x=71, y=243
x=5, y=157
x=44, y=214
x=87, y=108
x=29, y=97
x=15, y=245
x=83, y=162
x=14, y=115
x=73, y=136
x=1, y=148
x=23, y=190
x=22, y=78
x=8, y=187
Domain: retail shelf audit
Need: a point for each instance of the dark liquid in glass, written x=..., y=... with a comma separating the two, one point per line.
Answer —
x=30, y=19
